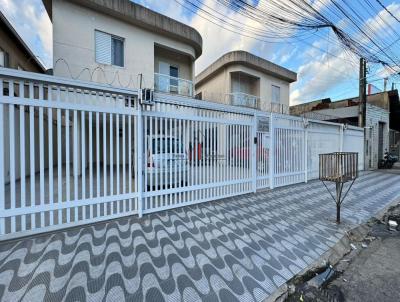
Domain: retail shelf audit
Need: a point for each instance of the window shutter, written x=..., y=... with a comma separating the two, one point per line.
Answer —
x=103, y=47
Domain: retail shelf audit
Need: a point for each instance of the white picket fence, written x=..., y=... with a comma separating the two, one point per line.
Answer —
x=73, y=153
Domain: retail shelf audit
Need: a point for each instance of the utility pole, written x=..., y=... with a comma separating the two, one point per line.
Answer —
x=385, y=81
x=362, y=93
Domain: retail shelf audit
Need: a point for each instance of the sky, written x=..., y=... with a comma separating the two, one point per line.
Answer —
x=324, y=70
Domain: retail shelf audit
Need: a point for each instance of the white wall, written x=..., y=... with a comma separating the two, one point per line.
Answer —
x=73, y=41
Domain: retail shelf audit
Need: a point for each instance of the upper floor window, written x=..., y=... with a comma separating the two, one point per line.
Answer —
x=276, y=94
x=109, y=49
x=4, y=59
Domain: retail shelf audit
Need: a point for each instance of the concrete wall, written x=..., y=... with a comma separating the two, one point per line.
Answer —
x=73, y=41
x=215, y=88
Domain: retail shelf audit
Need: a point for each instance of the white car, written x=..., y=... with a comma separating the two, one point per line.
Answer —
x=167, y=165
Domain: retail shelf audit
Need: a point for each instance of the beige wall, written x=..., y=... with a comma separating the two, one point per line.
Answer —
x=73, y=41
x=219, y=85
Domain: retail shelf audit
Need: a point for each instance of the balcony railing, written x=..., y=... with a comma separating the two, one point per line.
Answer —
x=244, y=100
x=168, y=84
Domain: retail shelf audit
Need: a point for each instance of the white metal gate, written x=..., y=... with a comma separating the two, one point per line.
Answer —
x=289, y=150
x=194, y=155
x=72, y=153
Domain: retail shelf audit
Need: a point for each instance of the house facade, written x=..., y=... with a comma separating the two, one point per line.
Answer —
x=14, y=53
x=123, y=44
x=240, y=78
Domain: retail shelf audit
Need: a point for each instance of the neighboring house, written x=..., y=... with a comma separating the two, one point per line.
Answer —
x=14, y=53
x=382, y=114
x=122, y=43
x=242, y=79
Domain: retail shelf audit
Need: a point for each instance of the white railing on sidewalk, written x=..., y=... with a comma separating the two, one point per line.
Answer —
x=168, y=84
x=73, y=153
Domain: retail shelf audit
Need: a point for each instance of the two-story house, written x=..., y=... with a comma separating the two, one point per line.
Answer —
x=240, y=78
x=124, y=44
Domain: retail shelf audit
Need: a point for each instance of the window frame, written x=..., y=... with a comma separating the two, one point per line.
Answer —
x=273, y=87
x=122, y=40
x=111, y=59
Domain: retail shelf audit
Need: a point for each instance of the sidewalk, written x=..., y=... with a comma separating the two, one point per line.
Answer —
x=237, y=249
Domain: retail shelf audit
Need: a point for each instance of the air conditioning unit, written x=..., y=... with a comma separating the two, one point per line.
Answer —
x=146, y=96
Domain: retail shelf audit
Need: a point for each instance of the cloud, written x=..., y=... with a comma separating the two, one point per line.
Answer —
x=319, y=76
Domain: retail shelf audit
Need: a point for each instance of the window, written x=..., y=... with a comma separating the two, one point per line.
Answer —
x=276, y=94
x=117, y=51
x=173, y=73
x=4, y=59
x=109, y=49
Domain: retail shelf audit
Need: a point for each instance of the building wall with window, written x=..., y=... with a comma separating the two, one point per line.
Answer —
x=100, y=47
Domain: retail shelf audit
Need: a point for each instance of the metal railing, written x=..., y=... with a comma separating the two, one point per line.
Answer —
x=169, y=84
x=67, y=158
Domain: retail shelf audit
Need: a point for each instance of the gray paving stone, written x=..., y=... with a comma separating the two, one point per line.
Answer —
x=237, y=249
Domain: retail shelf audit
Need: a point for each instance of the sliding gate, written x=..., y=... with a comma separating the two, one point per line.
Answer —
x=73, y=153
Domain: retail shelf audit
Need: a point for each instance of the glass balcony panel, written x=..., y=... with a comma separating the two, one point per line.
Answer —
x=169, y=84
x=244, y=100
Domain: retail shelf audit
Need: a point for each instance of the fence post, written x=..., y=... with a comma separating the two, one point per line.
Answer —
x=271, y=157
x=254, y=153
x=140, y=159
x=306, y=153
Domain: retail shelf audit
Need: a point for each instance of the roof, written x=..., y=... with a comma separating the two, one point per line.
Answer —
x=250, y=60
x=143, y=17
x=19, y=40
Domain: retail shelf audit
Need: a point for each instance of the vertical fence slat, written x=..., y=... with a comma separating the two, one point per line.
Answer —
x=117, y=141
x=90, y=125
x=76, y=164
x=32, y=154
x=50, y=152
x=11, y=118
x=83, y=156
x=2, y=161
x=111, y=155
x=41, y=155
x=67, y=163
x=22, y=150
x=59, y=162
x=124, y=160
